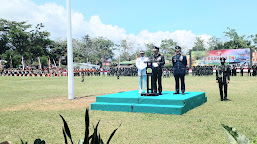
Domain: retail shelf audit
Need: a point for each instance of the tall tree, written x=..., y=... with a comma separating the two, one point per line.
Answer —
x=103, y=49
x=236, y=41
x=199, y=45
x=215, y=44
x=149, y=50
x=20, y=39
x=167, y=48
x=126, y=50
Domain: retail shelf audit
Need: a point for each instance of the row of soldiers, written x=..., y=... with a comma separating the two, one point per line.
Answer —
x=202, y=70
x=31, y=72
x=132, y=71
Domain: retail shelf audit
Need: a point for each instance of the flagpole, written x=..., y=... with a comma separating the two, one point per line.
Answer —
x=70, y=53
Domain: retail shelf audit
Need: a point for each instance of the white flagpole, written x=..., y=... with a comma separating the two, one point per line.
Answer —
x=70, y=53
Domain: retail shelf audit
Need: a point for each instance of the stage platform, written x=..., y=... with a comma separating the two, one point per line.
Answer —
x=167, y=103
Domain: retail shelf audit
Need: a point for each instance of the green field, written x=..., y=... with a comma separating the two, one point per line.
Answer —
x=30, y=108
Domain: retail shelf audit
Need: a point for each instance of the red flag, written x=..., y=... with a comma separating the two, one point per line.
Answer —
x=49, y=63
x=118, y=61
x=54, y=63
x=22, y=62
x=39, y=63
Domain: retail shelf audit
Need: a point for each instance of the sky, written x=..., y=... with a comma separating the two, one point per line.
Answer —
x=138, y=21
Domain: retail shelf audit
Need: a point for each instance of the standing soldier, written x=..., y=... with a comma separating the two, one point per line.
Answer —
x=82, y=75
x=242, y=70
x=254, y=70
x=223, y=78
x=234, y=70
x=158, y=62
x=249, y=70
x=179, y=68
x=141, y=66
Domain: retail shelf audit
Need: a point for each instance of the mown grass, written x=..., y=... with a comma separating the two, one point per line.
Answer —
x=200, y=125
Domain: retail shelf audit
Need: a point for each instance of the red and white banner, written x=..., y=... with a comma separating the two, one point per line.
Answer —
x=39, y=63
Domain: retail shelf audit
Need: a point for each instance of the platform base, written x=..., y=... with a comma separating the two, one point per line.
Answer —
x=167, y=103
x=149, y=94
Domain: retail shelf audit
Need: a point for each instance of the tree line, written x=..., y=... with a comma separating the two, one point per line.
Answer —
x=20, y=39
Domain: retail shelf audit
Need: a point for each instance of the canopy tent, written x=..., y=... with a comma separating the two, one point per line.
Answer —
x=85, y=65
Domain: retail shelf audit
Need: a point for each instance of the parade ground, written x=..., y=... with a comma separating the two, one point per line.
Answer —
x=30, y=108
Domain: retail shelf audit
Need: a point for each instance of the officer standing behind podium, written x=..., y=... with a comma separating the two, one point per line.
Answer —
x=158, y=62
x=179, y=62
x=141, y=66
x=223, y=78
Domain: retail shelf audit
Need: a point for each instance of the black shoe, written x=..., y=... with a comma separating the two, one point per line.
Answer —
x=183, y=93
x=221, y=100
x=160, y=93
x=176, y=93
x=225, y=99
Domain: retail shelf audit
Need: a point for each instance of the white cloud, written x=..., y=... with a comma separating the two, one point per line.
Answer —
x=53, y=17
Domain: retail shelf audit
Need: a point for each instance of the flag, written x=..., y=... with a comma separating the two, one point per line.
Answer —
x=49, y=63
x=39, y=63
x=87, y=62
x=59, y=63
x=54, y=63
x=22, y=63
x=118, y=61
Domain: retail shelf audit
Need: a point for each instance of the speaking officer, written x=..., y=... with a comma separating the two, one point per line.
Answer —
x=179, y=62
x=223, y=78
x=158, y=62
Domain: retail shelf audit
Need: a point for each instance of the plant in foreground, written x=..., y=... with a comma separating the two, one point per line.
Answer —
x=94, y=138
x=235, y=137
x=37, y=141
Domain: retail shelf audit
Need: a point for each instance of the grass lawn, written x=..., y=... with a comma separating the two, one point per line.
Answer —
x=30, y=108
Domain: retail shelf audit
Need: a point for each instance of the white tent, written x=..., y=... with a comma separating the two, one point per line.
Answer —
x=85, y=66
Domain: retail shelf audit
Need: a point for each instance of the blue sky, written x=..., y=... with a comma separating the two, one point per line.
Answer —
x=199, y=16
x=139, y=22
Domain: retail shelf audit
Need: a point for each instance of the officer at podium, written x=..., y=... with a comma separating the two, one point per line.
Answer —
x=179, y=62
x=158, y=62
x=141, y=66
x=223, y=78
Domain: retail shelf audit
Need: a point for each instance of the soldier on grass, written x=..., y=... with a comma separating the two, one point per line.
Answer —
x=223, y=78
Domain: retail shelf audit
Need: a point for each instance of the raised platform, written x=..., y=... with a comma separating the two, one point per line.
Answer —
x=131, y=101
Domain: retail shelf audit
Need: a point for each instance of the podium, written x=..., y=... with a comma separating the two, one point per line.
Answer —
x=149, y=73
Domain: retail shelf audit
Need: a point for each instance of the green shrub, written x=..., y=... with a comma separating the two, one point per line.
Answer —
x=37, y=141
x=95, y=138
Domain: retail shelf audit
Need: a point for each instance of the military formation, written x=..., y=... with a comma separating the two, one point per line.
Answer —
x=202, y=70
x=32, y=72
x=158, y=71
